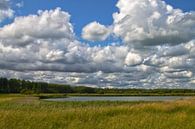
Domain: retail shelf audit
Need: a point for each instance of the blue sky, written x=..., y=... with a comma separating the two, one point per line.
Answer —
x=86, y=11
x=82, y=12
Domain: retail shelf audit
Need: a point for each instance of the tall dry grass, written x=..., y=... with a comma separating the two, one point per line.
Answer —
x=31, y=113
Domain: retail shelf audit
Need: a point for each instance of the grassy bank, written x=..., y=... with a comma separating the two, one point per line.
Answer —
x=132, y=94
x=27, y=112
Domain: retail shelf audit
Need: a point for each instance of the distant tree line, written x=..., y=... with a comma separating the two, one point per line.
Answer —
x=23, y=86
x=29, y=87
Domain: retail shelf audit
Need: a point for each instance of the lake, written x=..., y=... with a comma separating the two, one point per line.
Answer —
x=117, y=98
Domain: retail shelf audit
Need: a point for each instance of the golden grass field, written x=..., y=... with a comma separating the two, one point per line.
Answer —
x=26, y=112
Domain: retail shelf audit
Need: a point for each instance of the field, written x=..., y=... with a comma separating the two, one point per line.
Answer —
x=29, y=112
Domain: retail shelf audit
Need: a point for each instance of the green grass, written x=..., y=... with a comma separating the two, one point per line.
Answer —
x=26, y=112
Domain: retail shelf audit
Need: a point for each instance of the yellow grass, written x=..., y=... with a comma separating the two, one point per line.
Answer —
x=31, y=113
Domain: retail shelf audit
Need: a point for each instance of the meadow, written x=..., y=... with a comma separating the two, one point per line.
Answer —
x=29, y=112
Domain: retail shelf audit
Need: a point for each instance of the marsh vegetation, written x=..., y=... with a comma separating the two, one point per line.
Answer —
x=29, y=112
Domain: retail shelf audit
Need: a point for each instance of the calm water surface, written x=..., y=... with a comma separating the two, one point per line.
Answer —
x=117, y=98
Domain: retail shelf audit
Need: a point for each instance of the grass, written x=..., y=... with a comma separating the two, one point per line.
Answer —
x=131, y=94
x=28, y=112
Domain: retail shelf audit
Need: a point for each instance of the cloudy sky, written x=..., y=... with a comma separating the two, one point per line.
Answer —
x=112, y=43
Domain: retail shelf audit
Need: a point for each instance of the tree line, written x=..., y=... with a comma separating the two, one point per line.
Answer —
x=23, y=86
x=30, y=87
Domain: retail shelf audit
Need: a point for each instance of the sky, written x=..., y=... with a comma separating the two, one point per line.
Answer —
x=112, y=43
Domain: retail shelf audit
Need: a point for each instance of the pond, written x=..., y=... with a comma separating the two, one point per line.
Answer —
x=117, y=98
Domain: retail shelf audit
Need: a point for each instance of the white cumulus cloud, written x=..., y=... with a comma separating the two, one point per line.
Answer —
x=133, y=59
x=47, y=25
x=152, y=22
x=95, y=32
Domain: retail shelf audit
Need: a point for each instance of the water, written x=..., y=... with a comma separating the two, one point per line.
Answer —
x=117, y=98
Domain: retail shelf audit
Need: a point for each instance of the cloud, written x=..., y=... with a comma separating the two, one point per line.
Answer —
x=20, y=4
x=94, y=31
x=133, y=59
x=51, y=45
x=152, y=22
x=5, y=10
x=47, y=25
x=43, y=47
x=183, y=74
